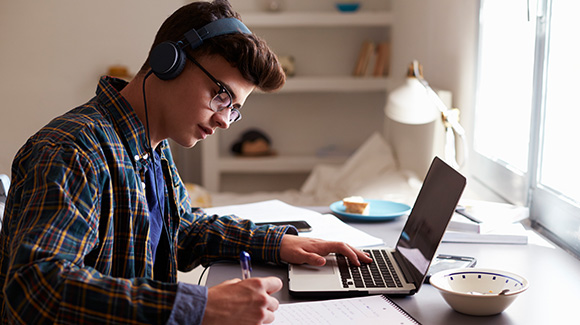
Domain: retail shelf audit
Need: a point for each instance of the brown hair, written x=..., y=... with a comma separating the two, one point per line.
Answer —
x=247, y=52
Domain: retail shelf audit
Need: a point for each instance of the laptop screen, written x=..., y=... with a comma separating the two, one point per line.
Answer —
x=429, y=217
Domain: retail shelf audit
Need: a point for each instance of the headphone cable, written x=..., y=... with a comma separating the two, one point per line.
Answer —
x=150, y=149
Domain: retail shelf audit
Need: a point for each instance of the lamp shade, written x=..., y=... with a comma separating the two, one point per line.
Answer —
x=411, y=104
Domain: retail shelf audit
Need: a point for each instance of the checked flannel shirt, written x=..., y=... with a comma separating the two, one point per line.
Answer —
x=74, y=242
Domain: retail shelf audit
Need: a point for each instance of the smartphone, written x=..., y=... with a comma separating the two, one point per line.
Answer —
x=301, y=225
x=445, y=262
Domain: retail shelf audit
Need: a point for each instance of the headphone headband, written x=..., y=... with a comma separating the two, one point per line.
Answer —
x=167, y=59
x=216, y=28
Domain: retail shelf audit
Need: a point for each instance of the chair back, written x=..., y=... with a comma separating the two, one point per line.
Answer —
x=4, y=185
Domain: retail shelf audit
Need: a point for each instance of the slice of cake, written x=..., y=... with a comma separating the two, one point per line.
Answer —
x=356, y=204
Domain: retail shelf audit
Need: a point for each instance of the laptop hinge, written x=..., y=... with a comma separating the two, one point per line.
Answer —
x=403, y=264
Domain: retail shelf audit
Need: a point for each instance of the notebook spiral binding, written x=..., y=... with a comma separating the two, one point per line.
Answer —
x=401, y=310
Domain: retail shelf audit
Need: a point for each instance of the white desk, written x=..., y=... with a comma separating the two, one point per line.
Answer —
x=552, y=298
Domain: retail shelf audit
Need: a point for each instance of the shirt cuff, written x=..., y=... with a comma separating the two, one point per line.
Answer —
x=291, y=231
x=189, y=305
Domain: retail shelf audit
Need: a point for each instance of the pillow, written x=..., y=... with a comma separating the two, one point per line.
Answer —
x=373, y=158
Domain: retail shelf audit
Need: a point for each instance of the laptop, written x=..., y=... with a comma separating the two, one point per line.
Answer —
x=394, y=271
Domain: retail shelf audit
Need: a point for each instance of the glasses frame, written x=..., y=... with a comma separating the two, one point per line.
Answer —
x=222, y=90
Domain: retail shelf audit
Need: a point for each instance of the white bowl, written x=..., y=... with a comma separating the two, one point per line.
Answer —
x=476, y=291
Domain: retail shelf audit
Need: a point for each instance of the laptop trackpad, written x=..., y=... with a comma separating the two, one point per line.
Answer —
x=315, y=270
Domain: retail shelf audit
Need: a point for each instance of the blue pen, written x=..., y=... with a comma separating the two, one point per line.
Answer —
x=245, y=265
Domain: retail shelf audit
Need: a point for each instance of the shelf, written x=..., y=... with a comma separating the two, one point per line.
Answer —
x=318, y=19
x=274, y=164
x=330, y=41
x=330, y=84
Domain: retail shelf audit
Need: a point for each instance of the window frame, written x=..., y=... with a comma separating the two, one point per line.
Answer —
x=552, y=214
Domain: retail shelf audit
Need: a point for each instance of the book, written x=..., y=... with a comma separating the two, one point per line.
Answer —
x=367, y=51
x=514, y=233
x=483, y=216
x=368, y=310
x=371, y=61
x=382, y=61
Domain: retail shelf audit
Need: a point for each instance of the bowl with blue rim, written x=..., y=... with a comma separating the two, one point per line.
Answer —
x=479, y=291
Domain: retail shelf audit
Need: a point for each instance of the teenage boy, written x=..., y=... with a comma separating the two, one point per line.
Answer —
x=98, y=221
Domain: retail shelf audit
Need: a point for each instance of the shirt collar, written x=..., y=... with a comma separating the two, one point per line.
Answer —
x=125, y=120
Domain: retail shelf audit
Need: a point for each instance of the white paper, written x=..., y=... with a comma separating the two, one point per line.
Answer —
x=329, y=227
x=324, y=226
x=495, y=213
x=514, y=233
x=366, y=310
x=265, y=211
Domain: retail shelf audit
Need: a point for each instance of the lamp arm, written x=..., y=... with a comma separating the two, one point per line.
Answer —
x=451, y=121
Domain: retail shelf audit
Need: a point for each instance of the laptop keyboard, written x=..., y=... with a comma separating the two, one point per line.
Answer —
x=380, y=273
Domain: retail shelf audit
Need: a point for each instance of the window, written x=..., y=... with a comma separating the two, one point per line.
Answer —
x=527, y=119
x=560, y=163
x=504, y=97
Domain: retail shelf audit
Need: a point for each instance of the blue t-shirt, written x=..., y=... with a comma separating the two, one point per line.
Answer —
x=156, y=200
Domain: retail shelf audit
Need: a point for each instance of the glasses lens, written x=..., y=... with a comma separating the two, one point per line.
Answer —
x=235, y=115
x=221, y=101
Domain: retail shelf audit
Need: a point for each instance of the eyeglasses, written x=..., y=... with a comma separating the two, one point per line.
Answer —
x=223, y=99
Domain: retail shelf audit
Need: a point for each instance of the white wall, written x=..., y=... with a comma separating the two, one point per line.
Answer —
x=53, y=52
x=442, y=36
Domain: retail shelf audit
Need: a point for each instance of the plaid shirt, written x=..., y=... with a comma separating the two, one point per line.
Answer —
x=74, y=242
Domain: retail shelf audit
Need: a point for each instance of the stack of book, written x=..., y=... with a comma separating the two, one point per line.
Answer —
x=487, y=222
x=373, y=60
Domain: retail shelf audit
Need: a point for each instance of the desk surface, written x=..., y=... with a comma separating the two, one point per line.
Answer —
x=553, y=296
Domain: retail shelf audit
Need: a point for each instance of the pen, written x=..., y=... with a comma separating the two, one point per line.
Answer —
x=462, y=211
x=245, y=265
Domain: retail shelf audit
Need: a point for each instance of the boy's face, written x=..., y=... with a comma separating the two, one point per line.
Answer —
x=186, y=114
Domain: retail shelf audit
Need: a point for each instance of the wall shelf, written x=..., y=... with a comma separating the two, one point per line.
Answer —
x=335, y=83
x=324, y=55
x=318, y=19
x=275, y=164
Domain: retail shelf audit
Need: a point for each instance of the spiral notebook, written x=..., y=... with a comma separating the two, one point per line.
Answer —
x=366, y=310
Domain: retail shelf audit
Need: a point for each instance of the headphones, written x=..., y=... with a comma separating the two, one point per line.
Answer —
x=167, y=59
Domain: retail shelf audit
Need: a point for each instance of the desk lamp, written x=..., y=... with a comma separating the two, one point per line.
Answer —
x=416, y=103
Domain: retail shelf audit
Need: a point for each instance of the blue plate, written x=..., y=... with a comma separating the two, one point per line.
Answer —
x=379, y=210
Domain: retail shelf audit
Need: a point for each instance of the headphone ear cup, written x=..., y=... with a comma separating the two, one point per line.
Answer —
x=167, y=60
